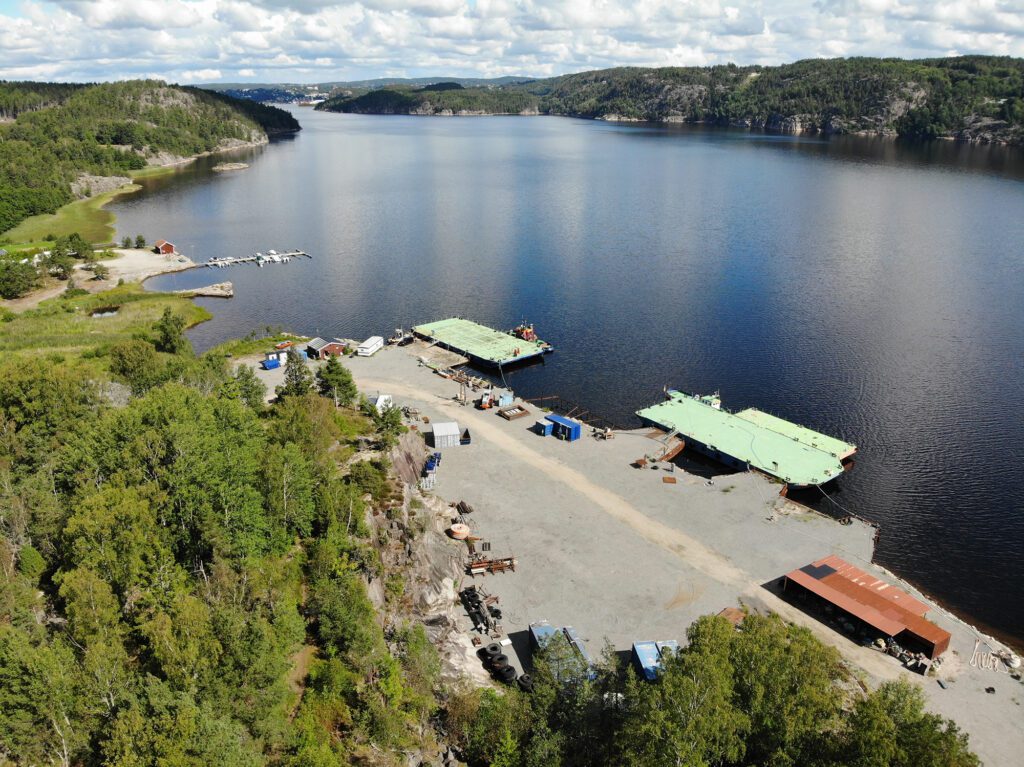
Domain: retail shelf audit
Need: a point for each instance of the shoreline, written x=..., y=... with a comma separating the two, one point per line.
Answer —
x=130, y=265
x=655, y=556
x=29, y=233
x=888, y=134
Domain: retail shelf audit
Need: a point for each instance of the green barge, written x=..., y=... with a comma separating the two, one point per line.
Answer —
x=752, y=439
x=483, y=345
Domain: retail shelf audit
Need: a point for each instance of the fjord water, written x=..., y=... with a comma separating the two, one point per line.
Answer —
x=865, y=288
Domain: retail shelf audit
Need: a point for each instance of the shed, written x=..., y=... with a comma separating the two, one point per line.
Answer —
x=872, y=602
x=321, y=349
x=163, y=247
x=543, y=428
x=565, y=428
x=315, y=345
x=446, y=434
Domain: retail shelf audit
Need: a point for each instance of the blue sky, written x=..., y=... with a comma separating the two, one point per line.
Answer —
x=320, y=40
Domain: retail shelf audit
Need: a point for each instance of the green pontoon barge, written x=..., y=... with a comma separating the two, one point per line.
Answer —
x=483, y=345
x=751, y=439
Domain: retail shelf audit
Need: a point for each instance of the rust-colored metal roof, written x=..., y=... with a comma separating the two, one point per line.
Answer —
x=876, y=602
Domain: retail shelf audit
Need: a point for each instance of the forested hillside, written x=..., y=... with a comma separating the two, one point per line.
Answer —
x=968, y=97
x=435, y=99
x=61, y=132
x=184, y=580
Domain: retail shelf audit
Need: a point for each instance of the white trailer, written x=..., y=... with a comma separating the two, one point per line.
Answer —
x=370, y=346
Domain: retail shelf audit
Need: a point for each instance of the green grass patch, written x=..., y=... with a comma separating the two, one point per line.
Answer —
x=65, y=325
x=153, y=171
x=244, y=347
x=87, y=217
x=352, y=424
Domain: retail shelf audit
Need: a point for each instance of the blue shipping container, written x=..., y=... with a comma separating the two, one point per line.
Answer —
x=565, y=428
x=647, y=660
x=271, y=364
x=543, y=428
x=541, y=633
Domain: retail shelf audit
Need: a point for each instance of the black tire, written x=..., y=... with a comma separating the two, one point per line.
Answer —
x=498, y=662
x=526, y=683
x=493, y=649
x=507, y=675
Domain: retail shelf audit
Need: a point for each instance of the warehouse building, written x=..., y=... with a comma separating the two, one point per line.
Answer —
x=870, y=602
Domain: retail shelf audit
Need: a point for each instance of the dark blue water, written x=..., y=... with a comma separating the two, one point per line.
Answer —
x=865, y=288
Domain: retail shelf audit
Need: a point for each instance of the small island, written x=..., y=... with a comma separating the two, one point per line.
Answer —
x=225, y=166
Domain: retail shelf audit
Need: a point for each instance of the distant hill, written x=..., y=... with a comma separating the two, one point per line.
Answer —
x=61, y=132
x=977, y=98
x=436, y=99
x=288, y=93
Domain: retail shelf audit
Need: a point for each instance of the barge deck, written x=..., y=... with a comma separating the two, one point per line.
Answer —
x=480, y=343
x=744, y=442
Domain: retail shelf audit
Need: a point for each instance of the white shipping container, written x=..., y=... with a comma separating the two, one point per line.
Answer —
x=446, y=434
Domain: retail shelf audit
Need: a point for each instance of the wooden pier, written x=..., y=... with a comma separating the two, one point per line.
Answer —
x=271, y=257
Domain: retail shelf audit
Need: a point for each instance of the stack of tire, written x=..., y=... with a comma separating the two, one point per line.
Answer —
x=474, y=606
x=497, y=663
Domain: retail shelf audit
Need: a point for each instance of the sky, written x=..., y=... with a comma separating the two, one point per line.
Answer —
x=308, y=41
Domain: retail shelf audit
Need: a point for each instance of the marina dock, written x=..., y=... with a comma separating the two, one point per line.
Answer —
x=793, y=454
x=270, y=257
x=484, y=345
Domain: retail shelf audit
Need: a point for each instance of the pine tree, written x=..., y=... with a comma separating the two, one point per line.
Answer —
x=297, y=378
x=335, y=381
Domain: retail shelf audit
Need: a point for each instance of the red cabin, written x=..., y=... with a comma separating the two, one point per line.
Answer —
x=163, y=247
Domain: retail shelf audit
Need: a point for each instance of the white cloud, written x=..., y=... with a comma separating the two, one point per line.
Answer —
x=200, y=75
x=317, y=40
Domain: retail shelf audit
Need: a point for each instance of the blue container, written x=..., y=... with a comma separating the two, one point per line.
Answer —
x=649, y=656
x=541, y=634
x=271, y=364
x=506, y=400
x=543, y=428
x=646, y=659
x=565, y=428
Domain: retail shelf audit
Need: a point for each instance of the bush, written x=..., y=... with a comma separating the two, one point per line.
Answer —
x=31, y=563
x=17, y=279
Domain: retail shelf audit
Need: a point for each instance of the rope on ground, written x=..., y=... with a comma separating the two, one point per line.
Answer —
x=837, y=503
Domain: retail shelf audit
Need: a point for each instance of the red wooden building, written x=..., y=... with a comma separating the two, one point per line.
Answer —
x=163, y=247
x=321, y=349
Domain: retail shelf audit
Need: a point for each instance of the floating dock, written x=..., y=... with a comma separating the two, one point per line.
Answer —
x=793, y=454
x=270, y=257
x=481, y=344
